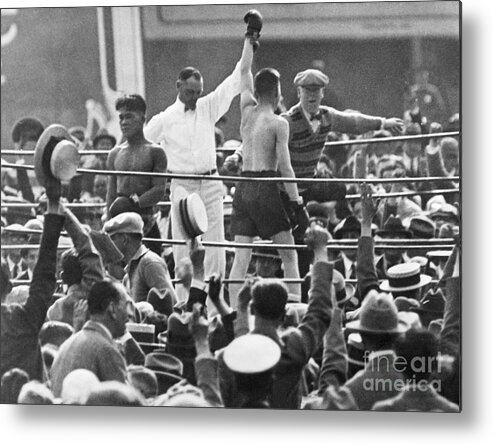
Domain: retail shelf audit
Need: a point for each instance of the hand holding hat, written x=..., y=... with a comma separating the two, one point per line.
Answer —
x=56, y=156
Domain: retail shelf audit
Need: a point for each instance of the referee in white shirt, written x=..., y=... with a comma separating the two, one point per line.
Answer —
x=186, y=132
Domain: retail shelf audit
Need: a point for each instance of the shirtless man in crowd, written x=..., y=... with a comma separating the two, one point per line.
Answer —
x=257, y=206
x=136, y=153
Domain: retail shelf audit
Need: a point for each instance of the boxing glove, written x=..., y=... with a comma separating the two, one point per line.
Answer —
x=253, y=19
x=299, y=218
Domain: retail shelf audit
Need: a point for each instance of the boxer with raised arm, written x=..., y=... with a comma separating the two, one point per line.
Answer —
x=257, y=206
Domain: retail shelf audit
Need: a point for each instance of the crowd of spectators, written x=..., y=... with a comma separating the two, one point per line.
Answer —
x=97, y=321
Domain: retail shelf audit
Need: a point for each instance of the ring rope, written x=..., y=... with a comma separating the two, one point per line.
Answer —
x=392, y=139
x=249, y=179
x=230, y=202
x=333, y=143
x=231, y=245
x=223, y=281
x=341, y=242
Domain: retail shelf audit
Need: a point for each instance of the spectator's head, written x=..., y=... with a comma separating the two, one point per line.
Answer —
x=267, y=85
x=55, y=333
x=267, y=262
x=131, y=109
x=418, y=348
x=348, y=228
x=382, y=148
x=378, y=322
x=5, y=284
x=34, y=392
x=190, y=86
x=114, y=393
x=431, y=307
x=269, y=298
x=253, y=377
x=103, y=141
x=405, y=280
x=126, y=231
x=77, y=386
x=393, y=229
x=26, y=132
x=107, y=303
x=100, y=186
x=310, y=85
x=12, y=382
x=143, y=379
x=71, y=270
x=450, y=154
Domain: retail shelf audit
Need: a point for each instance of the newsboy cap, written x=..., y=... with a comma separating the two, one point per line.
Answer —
x=124, y=223
x=311, y=77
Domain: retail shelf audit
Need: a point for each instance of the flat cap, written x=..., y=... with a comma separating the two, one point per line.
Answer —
x=124, y=223
x=311, y=77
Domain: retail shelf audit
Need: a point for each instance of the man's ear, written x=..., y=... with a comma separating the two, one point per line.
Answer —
x=178, y=84
x=251, y=308
x=298, y=91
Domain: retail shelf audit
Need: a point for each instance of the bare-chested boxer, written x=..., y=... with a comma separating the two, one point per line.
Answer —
x=136, y=153
x=257, y=206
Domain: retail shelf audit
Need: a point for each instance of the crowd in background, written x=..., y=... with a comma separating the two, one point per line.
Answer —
x=79, y=328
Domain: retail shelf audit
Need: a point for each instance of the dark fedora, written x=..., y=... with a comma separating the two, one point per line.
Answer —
x=348, y=225
x=167, y=368
x=432, y=302
x=393, y=227
x=190, y=214
x=56, y=155
x=422, y=227
x=180, y=343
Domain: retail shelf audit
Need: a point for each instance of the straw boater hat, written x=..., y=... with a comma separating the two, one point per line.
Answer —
x=189, y=213
x=56, y=155
x=405, y=277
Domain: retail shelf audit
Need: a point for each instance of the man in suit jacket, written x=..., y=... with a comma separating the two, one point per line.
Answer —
x=94, y=348
x=20, y=324
x=420, y=392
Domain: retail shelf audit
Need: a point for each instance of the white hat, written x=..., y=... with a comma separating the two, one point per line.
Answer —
x=56, y=155
x=189, y=212
x=405, y=277
x=252, y=353
x=77, y=386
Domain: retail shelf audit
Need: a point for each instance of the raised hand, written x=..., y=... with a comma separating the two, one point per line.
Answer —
x=245, y=294
x=369, y=206
x=215, y=288
x=198, y=324
x=197, y=255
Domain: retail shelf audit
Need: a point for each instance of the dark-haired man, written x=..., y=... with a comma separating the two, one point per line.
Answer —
x=266, y=300
x=257, y=207
x=186, y=130
x=136, y=153
x=94, y=348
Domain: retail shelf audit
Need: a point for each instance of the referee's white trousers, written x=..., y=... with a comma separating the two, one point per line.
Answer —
x=211, y=192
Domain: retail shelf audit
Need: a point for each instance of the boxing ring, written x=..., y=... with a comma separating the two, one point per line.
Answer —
x=434, y=244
